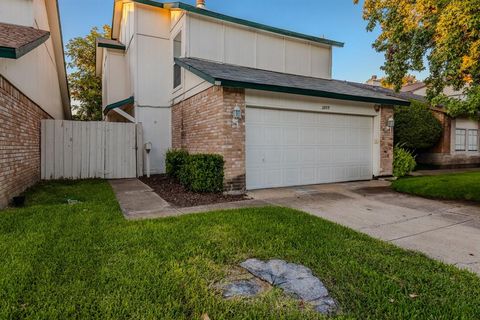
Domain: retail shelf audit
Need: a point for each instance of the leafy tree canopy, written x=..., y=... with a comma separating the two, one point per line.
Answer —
x=445, y=33
x=408, y=79
x=85, y=86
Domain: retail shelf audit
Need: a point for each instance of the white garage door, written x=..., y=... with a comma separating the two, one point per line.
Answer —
x=291, y=148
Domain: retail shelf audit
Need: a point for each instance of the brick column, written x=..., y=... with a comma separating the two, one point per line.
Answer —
x=203, y=124
x=386, y=142
x=234, y=145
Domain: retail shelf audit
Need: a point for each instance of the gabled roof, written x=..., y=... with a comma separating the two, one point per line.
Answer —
x=413, y=87
x=16, y=41
x=247, y=23
x=244, y=77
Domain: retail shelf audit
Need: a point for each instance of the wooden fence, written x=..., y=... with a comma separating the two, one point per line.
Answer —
x=89, y=149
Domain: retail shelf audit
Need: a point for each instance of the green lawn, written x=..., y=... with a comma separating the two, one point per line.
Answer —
x=84, y=261
x=461, y=186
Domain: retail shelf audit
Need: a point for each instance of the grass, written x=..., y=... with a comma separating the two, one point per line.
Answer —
x=84, y=261
x=460, y=186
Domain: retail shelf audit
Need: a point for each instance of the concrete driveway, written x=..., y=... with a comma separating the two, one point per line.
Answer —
x=444, y=230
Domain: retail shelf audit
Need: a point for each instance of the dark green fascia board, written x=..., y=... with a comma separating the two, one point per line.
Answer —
x=150, y=3
x=310, y=92
x=15, y=53
x=112, y=46
x=119, y=104
x=291, y=90
x=247, y=23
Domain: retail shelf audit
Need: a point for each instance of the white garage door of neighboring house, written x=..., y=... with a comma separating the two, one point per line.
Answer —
x=291, y=148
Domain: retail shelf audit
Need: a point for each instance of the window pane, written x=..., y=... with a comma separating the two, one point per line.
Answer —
x=472, y=140
x=460, y=139
x=177, y=75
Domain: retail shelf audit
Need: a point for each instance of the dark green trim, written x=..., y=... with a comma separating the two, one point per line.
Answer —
x=15, y=53
x=247, y=23
x=7, y=52
x=150, y=3
x=310, y=92
x=112, y=46
x=291, y=90
x=118, y=104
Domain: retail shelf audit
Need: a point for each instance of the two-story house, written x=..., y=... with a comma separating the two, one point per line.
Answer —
x=261, y=96
x=33, y=86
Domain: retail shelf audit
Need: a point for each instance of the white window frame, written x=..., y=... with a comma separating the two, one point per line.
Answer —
x=459, y=146
x=472, y=140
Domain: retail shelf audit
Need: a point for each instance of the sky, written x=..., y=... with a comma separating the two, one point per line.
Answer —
x=338, y=20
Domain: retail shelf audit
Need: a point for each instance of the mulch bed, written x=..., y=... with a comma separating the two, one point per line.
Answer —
x=174, y=193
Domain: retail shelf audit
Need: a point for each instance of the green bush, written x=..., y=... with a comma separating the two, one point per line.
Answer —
x=403, y=162
x=175, y=159
x=203, y=173
x=416, y=127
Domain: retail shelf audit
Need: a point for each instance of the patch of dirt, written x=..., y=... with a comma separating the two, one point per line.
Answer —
x=367, y=191
x=177, y=195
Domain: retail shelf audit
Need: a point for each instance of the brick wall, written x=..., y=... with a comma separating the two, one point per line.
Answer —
x=386, y=142
x=443, y=145
x=442, y=154
x=19, y=141
x=203, y=124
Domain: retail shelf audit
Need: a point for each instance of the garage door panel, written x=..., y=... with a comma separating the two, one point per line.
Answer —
x=272, y=135
x=286, y=148
x=324, y=136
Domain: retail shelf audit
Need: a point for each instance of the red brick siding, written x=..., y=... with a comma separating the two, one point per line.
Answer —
x=443, y=145
x=203, y=124
x=386, y=142
x=19, y=141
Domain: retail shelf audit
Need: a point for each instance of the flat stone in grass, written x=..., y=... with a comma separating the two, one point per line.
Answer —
x=294, y=279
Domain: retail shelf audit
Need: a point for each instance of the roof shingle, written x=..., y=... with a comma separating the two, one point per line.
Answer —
x=238, y=76
x=16, y=40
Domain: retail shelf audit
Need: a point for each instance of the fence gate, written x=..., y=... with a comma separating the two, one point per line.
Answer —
x=90, y=149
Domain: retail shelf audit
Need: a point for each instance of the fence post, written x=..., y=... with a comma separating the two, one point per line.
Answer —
x=140, y=151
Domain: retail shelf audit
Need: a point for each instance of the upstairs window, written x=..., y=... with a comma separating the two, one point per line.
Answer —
x=472, y=140
x=177, y=53
x=460, y=139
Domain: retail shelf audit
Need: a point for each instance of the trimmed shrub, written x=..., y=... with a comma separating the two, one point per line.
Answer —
x=403, y=162
x=175, y=159
x=203, y=173
x=416, y=128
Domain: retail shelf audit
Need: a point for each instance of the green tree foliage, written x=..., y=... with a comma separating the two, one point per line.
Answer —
x=446, y=33
x=416, y=128
x=85, y=86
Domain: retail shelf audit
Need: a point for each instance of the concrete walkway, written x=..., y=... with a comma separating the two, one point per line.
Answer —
x=138, y=201
x=444, y=230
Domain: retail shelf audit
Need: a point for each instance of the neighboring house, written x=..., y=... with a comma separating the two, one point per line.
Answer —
x=260, y=96
x=33, y=86
x=460, y=142
x=374, y=81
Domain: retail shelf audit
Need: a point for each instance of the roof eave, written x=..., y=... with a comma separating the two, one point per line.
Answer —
x=291, y=90
x=256, y=25
x=16, y=53
x=119, y=104
x=309, y=92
